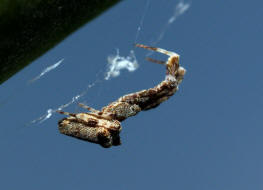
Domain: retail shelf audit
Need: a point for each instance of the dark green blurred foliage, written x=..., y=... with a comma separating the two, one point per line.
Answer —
x=28, y=28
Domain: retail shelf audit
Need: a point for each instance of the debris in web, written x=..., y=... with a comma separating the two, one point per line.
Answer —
x=46, y=70
x=116, y=63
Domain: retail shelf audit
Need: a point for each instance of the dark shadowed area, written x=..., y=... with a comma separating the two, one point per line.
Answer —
x=208, y=136
x=29, y=28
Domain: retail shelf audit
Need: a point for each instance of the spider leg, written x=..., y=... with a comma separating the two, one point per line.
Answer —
x=171, y=65
x=88, y=108
x=173, y=69
x=155, y=61
x=95, y=113
x=160, y=50
x=66, y=113
x=107, y=117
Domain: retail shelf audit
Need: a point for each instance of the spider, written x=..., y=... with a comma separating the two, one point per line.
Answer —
x=103, y=126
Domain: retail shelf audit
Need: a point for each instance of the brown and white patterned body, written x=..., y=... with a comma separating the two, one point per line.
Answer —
x=91, y=128
x=103, y=127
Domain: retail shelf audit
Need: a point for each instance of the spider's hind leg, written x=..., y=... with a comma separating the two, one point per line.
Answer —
x=88, y=108
x=66, y=113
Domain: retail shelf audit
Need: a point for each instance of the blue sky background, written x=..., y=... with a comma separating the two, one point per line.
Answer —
x=208, y=136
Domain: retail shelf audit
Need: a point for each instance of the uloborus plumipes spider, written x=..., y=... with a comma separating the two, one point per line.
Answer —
x=104, y=126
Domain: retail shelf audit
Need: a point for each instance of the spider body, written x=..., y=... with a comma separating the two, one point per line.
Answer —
x=91, y=128
x=103, y=127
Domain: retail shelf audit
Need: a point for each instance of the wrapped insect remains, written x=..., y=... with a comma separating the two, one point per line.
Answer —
x=103, y=126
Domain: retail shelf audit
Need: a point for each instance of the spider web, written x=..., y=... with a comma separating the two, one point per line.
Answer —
x=179, y=9
x=116, y=62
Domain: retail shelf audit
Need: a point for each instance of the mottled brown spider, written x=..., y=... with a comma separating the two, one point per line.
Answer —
x=103, y=127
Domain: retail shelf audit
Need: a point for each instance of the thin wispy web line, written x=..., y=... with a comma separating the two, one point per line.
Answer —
x=46, y=70
x=180, y=9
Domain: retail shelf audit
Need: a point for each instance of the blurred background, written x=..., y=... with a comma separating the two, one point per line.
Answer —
x=207, y=136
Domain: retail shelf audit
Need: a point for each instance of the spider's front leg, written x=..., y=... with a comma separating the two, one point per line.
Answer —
x=160, y=50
